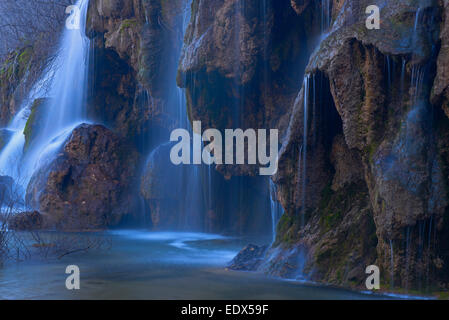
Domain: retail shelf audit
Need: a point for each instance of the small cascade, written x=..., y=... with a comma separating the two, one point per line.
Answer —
x=192, y=182
x=417, y=20
x=266, y=54
x=326, y=15
x=404, y=64
x=192, y=177
x=391, y=265
x=11, y=154
x=238, y=107
x=276, y=209
x=65, y=83
x=389, y=64
x=302, y=167
x=182, y=114
x=416, y=26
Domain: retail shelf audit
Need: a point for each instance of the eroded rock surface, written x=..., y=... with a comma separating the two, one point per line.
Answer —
x=385, y=201
x=90, y=183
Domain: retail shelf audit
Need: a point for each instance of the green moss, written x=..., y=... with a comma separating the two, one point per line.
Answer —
x=333, y=205
x=126, y=24
x=287, y=230
x=32, y=122
x=25, y=56
x=16, y=64
x=370, y=151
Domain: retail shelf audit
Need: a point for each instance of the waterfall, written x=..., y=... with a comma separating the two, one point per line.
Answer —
x=418, y=15
x=303, y=154
x=404, y=64
x=192, y=176
x=193, y=182
x=326, y=15
x=276, y=209
x=64, y=82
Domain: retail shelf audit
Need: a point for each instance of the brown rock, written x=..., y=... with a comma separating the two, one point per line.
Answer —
x=249, y=258
x=387, y=131
x=26, y=221
x=89, y=184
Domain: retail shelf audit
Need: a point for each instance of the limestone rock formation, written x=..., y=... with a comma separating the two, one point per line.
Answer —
x=382, y=98
x=249, y=258
x=89, y=184
x=136, y=45
x=15, y=81
x=26, y=221
x=236, y=65
x=161, y=187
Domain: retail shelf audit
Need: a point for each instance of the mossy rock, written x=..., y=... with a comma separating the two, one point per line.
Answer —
x=16, y=63
x=128, y=23
x=34, y=122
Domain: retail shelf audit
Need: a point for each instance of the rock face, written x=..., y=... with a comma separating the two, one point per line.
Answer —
x=137, y=45
x=26, y=221
x=236, y=65
x=89, y=184
x=13, y=81
x=440, y=92
x=363, y=166
x=381, y=192
x=249, y=259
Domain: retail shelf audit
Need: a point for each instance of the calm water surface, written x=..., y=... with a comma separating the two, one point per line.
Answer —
x=150, y=265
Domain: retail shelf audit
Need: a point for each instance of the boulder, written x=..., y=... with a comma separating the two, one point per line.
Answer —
x=26, y=221
x=162, y=188
x=35, y=121
x=90, y=183
x=249, y=258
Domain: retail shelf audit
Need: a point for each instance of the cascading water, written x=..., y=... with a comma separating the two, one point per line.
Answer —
x=276, y=209
x=193, y=181
x=65, y=82
x=326, y=15
x=192, y=176
x=303, y=153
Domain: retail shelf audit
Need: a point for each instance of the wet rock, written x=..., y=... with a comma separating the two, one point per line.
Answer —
x=26, y=221
x=384, y=147
x=137, y=43
x=440, y=90
x=237, y=70
x=35, y=121
x=300, y=5
x=249, y=259
x=162, y=187
x=90, y=183
x=14, y=85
